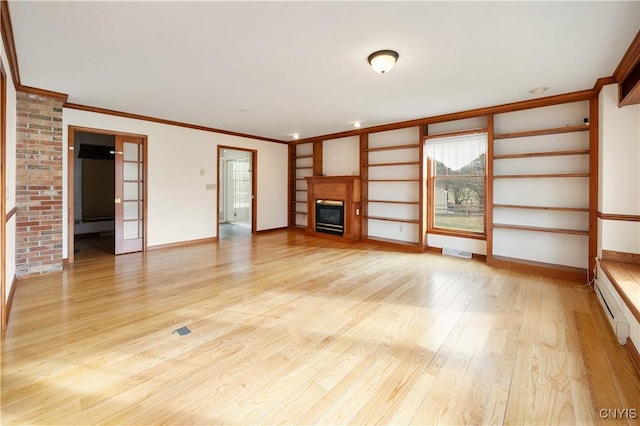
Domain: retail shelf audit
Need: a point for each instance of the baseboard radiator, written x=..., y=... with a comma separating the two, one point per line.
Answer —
x=611, y=309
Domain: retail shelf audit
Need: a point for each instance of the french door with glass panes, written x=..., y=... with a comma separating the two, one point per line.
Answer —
x=129, y=194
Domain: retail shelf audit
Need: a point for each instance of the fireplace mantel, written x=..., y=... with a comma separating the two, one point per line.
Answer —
x=336, y=188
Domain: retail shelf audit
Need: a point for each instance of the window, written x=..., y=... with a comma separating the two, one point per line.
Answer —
x=456, y=179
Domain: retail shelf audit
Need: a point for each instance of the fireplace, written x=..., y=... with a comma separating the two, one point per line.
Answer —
x=333, y=203
x=330, y=217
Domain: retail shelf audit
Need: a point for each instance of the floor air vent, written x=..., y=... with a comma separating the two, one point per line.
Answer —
x=456, y=253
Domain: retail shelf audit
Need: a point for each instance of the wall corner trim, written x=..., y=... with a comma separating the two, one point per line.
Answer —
x=7, y=310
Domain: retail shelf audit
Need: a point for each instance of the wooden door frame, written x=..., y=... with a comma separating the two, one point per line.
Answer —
x=3, y=194
x=254, y=185
x=71, y=189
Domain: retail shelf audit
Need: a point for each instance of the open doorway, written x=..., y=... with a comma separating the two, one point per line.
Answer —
x=94, y=193
x=236, y=194
x=106, y=193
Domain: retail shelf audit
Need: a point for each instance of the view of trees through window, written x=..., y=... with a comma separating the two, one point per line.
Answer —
x=458, y=196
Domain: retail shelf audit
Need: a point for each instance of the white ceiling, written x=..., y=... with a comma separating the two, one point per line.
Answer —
x=277, y=68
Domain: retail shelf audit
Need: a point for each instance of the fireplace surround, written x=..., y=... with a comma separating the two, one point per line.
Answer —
x=337, y=198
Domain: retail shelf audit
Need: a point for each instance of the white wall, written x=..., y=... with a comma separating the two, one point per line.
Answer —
x=341, y=157
x=10, y=166
x=619, y=172
x=618, y=186
x=179, y=206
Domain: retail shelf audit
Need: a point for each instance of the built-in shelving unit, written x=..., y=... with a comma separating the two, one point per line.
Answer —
x=301, y=165
x=391, y=174
x=542, y=179
x=540, y=198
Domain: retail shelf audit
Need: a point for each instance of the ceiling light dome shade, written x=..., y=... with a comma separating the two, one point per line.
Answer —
x=383, y=60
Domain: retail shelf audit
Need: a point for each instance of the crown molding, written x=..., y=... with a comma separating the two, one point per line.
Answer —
x=582, y=95
x=165, y=121
x=629, y=60
x=627, y=74
x=9, y=46
x=601, y=82
x=42, y=92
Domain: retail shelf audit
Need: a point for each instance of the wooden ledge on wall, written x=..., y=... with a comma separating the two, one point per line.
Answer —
x=625, y=278
x=620, y=256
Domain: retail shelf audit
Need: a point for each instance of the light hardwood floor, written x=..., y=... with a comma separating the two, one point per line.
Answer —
x=286, y=328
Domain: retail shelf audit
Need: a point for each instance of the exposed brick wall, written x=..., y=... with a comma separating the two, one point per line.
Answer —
x=39, y=184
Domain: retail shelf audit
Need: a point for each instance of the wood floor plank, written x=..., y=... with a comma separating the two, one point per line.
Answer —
x=287, y=328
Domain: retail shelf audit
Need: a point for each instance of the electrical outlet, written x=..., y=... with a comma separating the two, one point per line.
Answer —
x=401, y=228
x=201, y=172
x=210, y=187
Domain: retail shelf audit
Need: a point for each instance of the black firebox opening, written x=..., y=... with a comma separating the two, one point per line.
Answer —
x=330, y=217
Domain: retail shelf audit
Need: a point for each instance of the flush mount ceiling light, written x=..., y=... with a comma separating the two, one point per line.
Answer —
x=383, y=60
x=539, y=90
